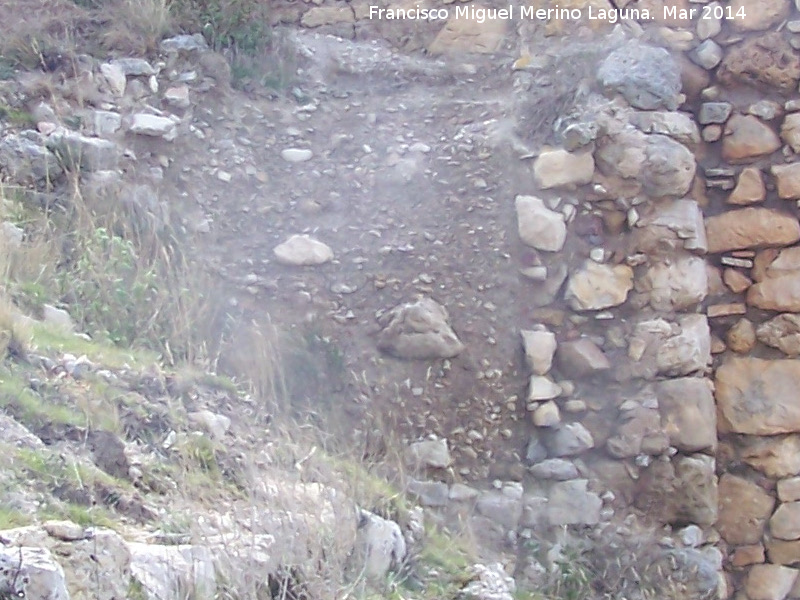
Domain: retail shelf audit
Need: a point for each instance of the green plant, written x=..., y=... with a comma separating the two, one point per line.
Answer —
x=241, y=26
x=573, y=576
x=10, y=517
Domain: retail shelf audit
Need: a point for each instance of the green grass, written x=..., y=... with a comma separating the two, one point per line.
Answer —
x=10, y=518
x=16, y=117
x=30, y=408
x=50, y=340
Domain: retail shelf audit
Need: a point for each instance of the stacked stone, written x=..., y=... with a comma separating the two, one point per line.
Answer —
x=752, y=184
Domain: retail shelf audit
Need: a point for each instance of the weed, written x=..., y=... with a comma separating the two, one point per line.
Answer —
x=241, y=26
x=10, y=518
x=30, y=408
x=16, y=117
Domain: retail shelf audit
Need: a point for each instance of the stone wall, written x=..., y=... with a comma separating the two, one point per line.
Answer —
x=664, y=224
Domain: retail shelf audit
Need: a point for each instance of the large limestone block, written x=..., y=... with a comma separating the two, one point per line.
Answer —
x=597, y=286
x=559, y=168
x=683, y=490
x=744, y=509
x=767, y=59
x=659, y=164
x=769, y=582
x=670, y=226
x=676, y=284
x=759, y=397
x=747, y=137
x=688, y=413
x=782, y=332
x=779, y=294
x=751, y=228
x=776, y=456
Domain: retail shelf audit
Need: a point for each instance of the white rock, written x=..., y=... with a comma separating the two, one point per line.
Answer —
x=597, y=286
x=539, y=346
x=31, y=573
x=430, y=453
x=115, y=77
x=542, y=388
x=296, y=155
x=302, y=250
x=558, y=168
x=167, y=571
x=153, y=125
x=540, y=227
x=380, y=546
x=547, y=415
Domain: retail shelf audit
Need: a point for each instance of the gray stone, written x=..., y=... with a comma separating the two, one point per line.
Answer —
x=570, y=503
x=380, y=546
x=430, y=453
x=430, y=493
x=501, y=508
x=11, y=236
x=418, y=330
x=708, y=54
x=25, y=160
x=76, y=151
x=172, y=571
x=488, y=582
x=106, y=123
x=555, y=468
x=648, y=77
x=303, y=250
x=542, y=388
x=115, y=78
x=31, y=573
x=672, y=225
x=133, y=67
x=680, y=491
x=153, y=126
x=57, y=318
x=581, y=358
x=689, y=350
x=715, y=112
x=184, y=43
x=569, y=439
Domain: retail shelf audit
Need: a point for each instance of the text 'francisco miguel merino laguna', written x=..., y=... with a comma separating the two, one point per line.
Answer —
x=482, y=14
